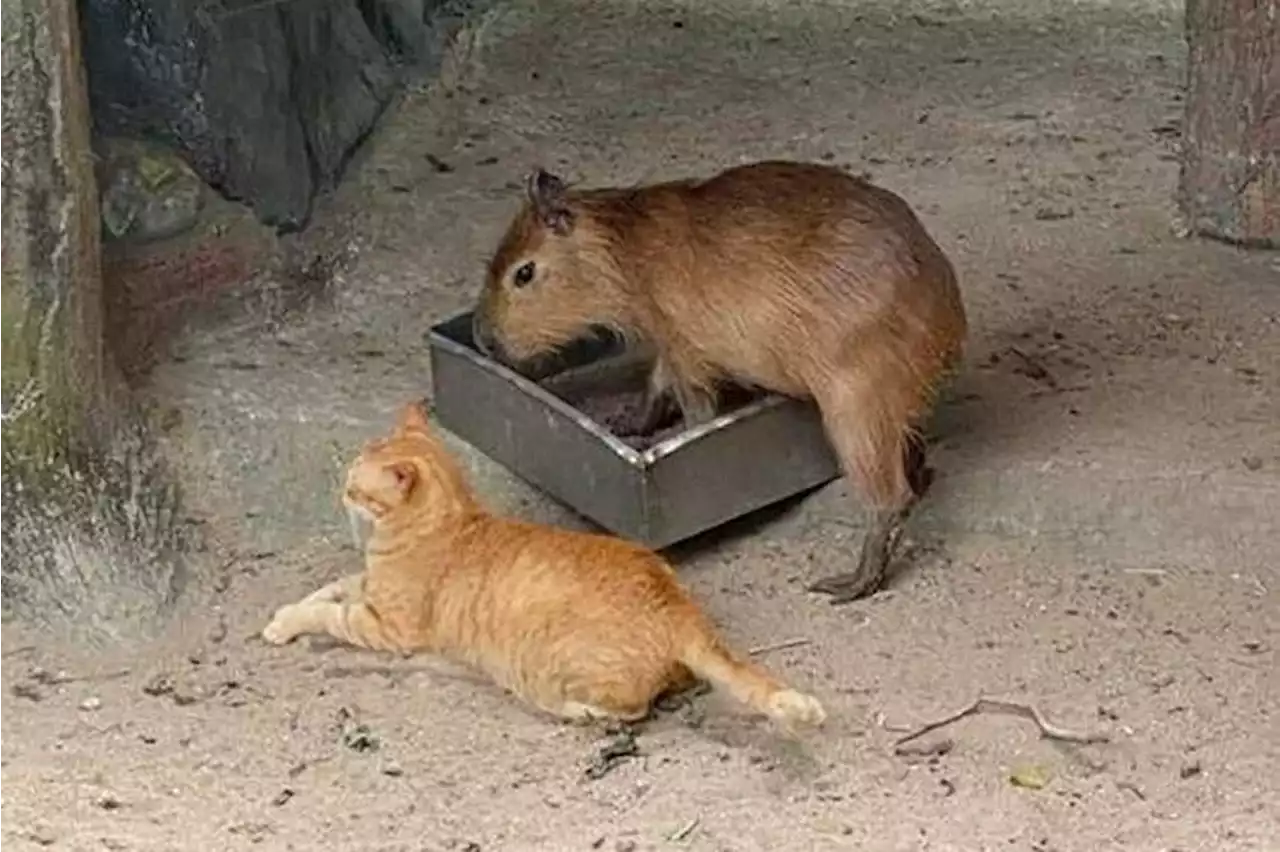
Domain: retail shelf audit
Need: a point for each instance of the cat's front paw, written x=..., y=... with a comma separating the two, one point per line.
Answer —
x=282, y=629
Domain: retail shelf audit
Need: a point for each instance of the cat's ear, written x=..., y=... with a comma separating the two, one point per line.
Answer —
x=406, y=476
x=413, y=418
x=548, y=195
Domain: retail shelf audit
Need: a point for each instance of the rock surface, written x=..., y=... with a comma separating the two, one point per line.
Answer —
x=147, y=192
x=268, y=100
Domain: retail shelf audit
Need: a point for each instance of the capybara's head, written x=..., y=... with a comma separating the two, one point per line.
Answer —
x=410, y=467
x=544, y=287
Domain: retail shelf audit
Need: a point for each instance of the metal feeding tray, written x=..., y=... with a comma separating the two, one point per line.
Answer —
x=554, y=434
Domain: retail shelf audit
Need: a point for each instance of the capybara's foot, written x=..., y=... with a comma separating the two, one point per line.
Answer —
x=658, y=410
x=878, y=549
x=697, y=406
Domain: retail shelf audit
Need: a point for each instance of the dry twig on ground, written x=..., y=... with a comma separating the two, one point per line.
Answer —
x=1008, y=708
x=778, y=646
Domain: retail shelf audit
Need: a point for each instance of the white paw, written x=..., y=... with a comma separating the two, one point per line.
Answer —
x=280, y=631
x=797, y=709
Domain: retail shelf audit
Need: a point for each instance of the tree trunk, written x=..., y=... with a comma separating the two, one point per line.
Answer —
x=52, y=293
x=1230, y=181
x=90, y=535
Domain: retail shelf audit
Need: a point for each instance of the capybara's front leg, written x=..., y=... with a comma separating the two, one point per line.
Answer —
x=697, y=404
x=659, y=404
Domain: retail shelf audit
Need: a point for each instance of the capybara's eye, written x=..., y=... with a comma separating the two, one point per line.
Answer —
x=524, y=274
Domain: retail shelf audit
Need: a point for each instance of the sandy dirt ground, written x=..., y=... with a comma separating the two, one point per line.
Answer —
x=1101, y=541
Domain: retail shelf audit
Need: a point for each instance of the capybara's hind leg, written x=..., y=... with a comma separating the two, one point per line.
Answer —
x=879, y=544
x=916, y=464
x=867, y=420
x=884, y=532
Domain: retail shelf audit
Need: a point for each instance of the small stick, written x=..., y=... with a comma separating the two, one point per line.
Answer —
x=934, y=749
x=57, y=679
x=93, y=678
x=303, y=765
x=1133, y=788
x=779, y=646
x=25, y=649
x=1035, y=369
x=386, y=671
x=1025, y=711
x=685, y=830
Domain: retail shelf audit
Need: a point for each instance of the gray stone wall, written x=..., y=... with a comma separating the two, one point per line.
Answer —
x=267, y=99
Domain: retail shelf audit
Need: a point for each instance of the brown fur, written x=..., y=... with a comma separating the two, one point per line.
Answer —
x=582, y=626
x=793, y=277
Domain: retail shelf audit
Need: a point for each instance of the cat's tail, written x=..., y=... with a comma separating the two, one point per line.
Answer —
x=708, y=658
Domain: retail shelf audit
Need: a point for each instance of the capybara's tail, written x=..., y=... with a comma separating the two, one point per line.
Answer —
x=708, y=658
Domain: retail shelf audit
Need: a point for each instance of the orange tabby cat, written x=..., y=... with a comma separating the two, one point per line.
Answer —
x=582, y=626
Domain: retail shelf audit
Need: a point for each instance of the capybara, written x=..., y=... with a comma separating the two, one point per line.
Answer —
x=793, y=277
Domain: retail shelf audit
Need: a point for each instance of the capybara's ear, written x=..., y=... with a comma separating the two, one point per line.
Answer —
x=413, y=418
x=547, y=194
x=406, y=477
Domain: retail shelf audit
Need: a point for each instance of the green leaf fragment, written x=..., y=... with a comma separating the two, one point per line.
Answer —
x=1031, y=777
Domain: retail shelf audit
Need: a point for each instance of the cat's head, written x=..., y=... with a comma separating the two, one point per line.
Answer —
x=408, y=468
